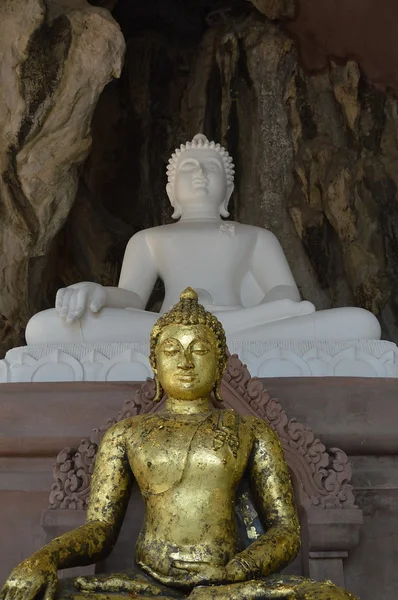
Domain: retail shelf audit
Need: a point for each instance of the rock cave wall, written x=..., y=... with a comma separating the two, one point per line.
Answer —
x=316, y=150
x=56, y=58
x=364, y=30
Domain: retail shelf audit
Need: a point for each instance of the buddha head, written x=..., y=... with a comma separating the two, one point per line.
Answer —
x=188, y=351
x=200, y=173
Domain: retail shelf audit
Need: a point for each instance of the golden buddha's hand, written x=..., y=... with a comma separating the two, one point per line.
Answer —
x=188, y=574
x=35, y=577
x=237, y=571
x=201, y=573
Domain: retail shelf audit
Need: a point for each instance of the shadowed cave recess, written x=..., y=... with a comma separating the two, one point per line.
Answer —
x=315, y=152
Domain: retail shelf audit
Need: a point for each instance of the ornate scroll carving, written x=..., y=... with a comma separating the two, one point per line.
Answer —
x=321, y=478
x=73, y=468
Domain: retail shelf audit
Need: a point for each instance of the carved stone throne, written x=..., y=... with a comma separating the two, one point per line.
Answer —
x=330, y=521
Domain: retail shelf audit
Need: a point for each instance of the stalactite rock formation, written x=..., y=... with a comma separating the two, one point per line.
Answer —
x=56, y=57
x=315, y=157
x=276, y=9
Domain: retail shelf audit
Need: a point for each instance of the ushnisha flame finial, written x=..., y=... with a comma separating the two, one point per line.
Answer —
x=200, y=141
x=189, y=294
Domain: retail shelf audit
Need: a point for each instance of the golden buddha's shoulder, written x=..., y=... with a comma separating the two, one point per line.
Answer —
x=260, y=430
x=118, y=431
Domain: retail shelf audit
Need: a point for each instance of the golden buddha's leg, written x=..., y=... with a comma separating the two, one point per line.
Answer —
x=128, y=581
x=109, y=596
x=99, y=596
x=284, y=587
x=117, y=586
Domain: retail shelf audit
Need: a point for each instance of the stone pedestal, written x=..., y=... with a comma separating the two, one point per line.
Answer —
x=129, y=361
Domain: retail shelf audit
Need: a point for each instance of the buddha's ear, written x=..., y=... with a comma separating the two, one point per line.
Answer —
x=159, y=393
x=177, y=208
x=217, y=391
x=224, y=206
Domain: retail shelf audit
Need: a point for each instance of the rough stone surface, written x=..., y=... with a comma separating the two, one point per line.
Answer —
x=276, y=9
x=315, y=161
x=56, y=58
x=364, y=29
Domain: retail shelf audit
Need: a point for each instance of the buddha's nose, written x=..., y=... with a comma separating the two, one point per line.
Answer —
x=200, y=171
x=186, y=361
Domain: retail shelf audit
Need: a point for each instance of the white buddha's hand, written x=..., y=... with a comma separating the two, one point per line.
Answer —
x=304, y=307
x=73, y=301
x=31, y=580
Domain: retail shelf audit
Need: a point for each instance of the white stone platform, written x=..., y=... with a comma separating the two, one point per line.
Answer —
x=129, y=361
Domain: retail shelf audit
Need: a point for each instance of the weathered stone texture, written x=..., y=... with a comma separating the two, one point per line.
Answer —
x=315, y=158
x=365, y=29
x=276, y=9
x=56, y=58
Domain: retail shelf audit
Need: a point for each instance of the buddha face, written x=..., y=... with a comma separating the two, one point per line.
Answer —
x=187, y=361
x=200, y=179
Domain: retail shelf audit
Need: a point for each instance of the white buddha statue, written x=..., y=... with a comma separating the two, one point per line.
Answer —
x=239, y=271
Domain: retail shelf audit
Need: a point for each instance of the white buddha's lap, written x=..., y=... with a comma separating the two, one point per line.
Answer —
x=110, y=325
x=122, y=325
x=334, y=324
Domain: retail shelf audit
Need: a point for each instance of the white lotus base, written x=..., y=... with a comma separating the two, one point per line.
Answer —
x=129, y=362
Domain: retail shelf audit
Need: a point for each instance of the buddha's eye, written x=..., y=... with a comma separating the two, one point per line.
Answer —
x=212, y=166
x=170, y=351
x=188, y=165
x=199, y=350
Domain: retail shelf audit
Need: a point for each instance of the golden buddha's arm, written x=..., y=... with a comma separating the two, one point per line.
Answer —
x=110, y=489
x=273, y=496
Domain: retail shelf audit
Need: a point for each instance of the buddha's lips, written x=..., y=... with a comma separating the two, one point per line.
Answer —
x=199, y=182
x=186, y=377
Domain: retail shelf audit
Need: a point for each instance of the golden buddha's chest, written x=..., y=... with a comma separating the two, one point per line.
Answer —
x=167, y=451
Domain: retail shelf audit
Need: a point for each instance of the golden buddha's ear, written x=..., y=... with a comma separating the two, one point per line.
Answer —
x=217, y=391
x=159, y=390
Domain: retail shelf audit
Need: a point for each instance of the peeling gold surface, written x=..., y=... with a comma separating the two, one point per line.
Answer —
x=188, y=462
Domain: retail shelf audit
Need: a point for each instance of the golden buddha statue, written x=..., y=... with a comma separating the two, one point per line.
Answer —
x=187, y=462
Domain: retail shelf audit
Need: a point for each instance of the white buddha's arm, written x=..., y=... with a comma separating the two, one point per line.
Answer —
x=117, y=297
x=271, y=269
x=138, y=275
